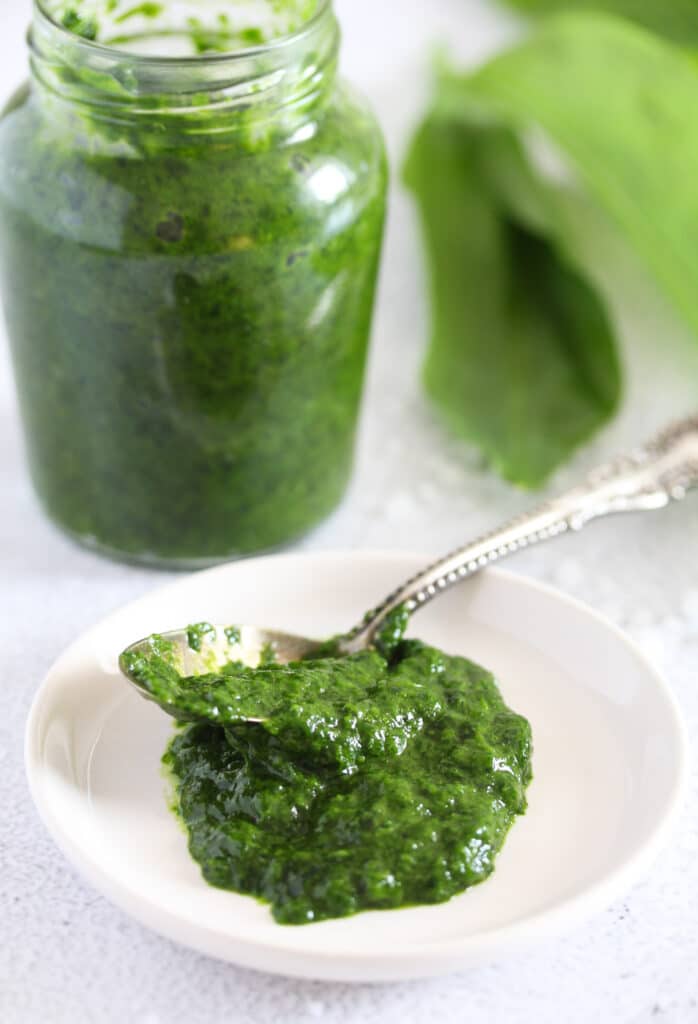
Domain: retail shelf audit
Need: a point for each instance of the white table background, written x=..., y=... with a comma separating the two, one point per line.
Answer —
x=66, y=955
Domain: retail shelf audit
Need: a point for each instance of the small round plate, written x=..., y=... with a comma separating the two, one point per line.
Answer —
x=609, y=764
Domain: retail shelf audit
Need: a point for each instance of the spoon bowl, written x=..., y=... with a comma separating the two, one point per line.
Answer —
x=208, y=648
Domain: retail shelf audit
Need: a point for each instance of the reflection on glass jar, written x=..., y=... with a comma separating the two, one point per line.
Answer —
x=188, y=249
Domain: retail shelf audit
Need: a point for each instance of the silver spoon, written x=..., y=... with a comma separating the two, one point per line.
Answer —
x=651, y=477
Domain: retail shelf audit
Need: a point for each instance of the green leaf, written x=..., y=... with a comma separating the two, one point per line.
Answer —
x=618, y=105
x=522, y=360
x=675, y=19
x=621, y=105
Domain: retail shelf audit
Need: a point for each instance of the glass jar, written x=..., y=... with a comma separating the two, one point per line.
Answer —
x=188, y=256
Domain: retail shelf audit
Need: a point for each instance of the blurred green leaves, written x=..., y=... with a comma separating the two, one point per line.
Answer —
x=522, y=359
x=675, y=19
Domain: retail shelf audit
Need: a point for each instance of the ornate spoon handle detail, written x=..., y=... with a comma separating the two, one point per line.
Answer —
x=651, y=477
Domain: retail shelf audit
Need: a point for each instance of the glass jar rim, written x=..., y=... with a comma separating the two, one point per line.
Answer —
x=243, y=53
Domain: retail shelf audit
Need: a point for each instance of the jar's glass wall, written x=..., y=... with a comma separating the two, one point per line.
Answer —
x=188, y=294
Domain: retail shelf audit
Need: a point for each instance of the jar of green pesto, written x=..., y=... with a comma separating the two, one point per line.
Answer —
x=191, y=211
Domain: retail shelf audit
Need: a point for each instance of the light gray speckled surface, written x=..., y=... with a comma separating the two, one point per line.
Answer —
x=65, y=954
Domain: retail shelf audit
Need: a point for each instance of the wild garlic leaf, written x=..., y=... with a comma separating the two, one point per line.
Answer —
x=522, y=360
x=675, y=19
x=618, y=104
x=621, y=105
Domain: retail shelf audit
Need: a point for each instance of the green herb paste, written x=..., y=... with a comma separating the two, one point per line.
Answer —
x=373, y=781
x=188, y=299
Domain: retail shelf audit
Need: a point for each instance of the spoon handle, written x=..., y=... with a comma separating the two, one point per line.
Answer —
x=651, y=477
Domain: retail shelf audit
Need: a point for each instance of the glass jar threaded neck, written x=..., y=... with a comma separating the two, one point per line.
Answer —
x=206, y=90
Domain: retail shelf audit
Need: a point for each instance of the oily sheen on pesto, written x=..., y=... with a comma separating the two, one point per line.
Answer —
x=378, y=780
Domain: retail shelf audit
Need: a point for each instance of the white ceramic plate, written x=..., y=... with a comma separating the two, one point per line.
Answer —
x=609, y=763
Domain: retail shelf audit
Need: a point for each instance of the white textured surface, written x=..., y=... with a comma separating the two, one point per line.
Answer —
x=65, y=954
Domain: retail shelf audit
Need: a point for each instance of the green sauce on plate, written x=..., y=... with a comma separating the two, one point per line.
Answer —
x=373, y=781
